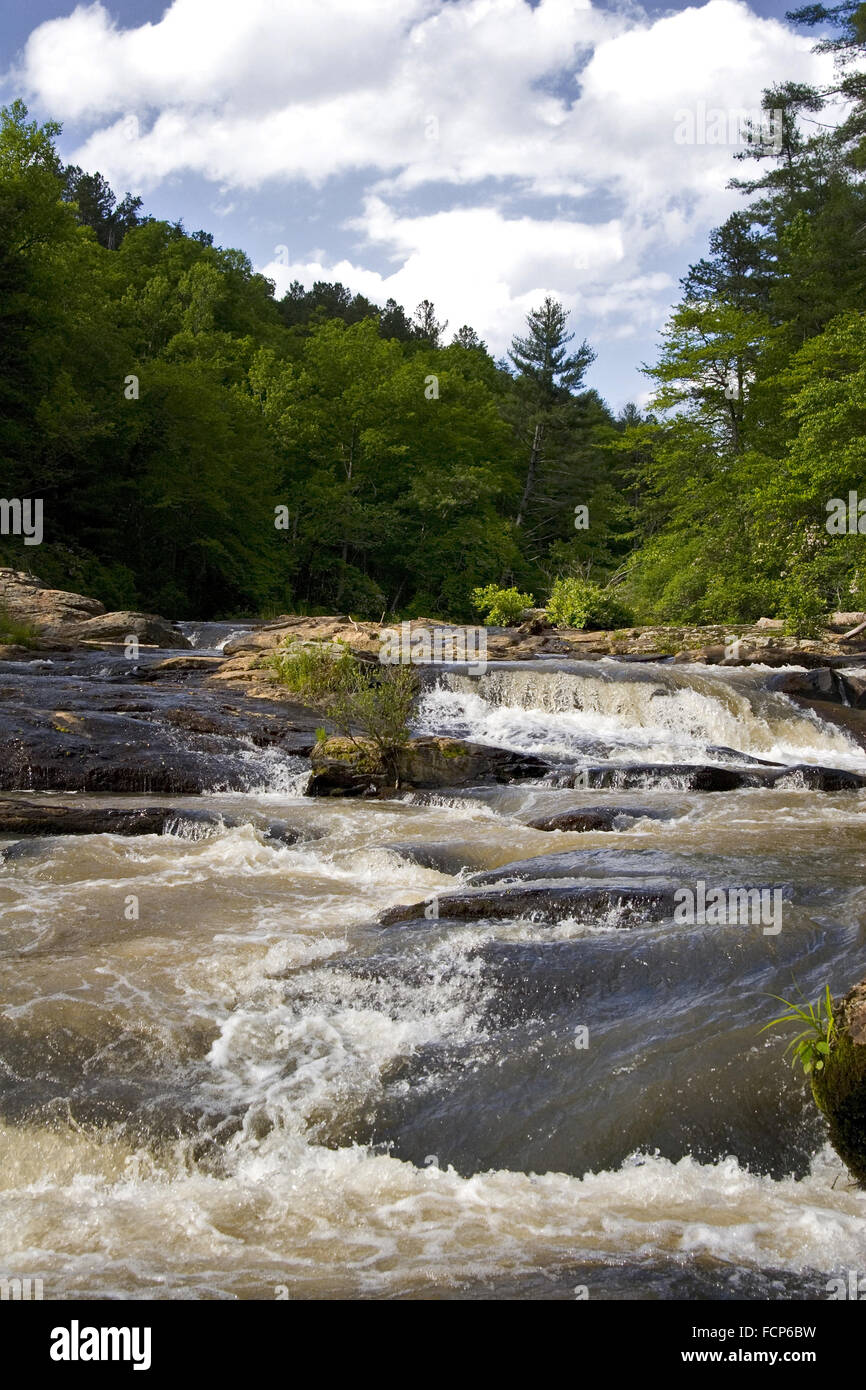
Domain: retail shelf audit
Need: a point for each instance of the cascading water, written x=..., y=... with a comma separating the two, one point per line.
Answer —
x=249, y=1083
x=615, y=710
x=212, y=637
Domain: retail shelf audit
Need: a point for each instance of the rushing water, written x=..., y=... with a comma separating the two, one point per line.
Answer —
x=212, y=637
x=221, y=1077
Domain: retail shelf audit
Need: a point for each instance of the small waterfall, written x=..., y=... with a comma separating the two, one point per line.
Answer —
x=616, y=711
x=212, y=637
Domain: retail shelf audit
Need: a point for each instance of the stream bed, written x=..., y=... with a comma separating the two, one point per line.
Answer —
x=224, y=1073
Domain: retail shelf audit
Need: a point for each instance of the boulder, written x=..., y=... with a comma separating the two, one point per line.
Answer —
x=151, y=630
x=26, y=600
x=843, y=622
x=347, y=767
x=58, y=615
x=840, y=1088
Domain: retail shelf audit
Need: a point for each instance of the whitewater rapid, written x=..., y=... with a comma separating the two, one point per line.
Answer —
x=250, y=1089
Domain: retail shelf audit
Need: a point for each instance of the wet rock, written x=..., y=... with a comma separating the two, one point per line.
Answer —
x=840, y=1089
x=720, y=751
x=542, y=903
x=820, y=779
x=38, y=818
x=594, y=818
x=823, y=683
x=342, y=767
x=705, y=777
x=64, y=733
x=445, y=856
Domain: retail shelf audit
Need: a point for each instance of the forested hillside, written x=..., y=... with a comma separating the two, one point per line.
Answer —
x=204, y=449
x=201, y=448
x=760, y=407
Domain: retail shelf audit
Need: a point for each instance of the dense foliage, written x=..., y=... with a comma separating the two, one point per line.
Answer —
x=204, y=449
x=759, y=414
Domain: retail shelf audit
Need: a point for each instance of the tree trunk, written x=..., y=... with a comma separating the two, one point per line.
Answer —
x=534, y=456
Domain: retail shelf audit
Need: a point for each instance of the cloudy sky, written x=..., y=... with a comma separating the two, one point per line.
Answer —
x=480, y=153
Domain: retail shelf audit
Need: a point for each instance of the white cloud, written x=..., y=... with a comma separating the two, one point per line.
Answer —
x=481, y=267
x=560, y=97
x=563, y=101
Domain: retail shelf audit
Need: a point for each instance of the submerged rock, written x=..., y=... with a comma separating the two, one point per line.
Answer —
x=542, y=903
x=593, y=818
x=445, y=856
x=840, y=1089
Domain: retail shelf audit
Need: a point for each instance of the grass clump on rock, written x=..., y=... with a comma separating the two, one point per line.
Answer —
x=15, y=634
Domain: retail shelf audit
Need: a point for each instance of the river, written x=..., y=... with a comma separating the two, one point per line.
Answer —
x=222, y=1077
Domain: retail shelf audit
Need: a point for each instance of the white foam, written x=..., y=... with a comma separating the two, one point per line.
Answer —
x=560, y=713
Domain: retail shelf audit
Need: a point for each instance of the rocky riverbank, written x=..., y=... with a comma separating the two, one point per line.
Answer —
x=184, y=723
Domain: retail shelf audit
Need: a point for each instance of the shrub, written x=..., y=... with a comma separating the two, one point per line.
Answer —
x=313, y=670
x=803, y=609
x=359, y=697
x=15, y=633
x=579, y=603
x=500, y=607
x=377, y=701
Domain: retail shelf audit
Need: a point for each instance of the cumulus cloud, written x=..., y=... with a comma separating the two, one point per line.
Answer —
x=480, y=265
x=433, y=103
x=559, y=97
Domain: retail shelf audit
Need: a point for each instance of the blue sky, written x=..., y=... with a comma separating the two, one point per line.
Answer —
x=481, y=153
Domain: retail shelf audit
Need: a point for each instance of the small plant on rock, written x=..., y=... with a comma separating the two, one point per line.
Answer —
x=812, y=1045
